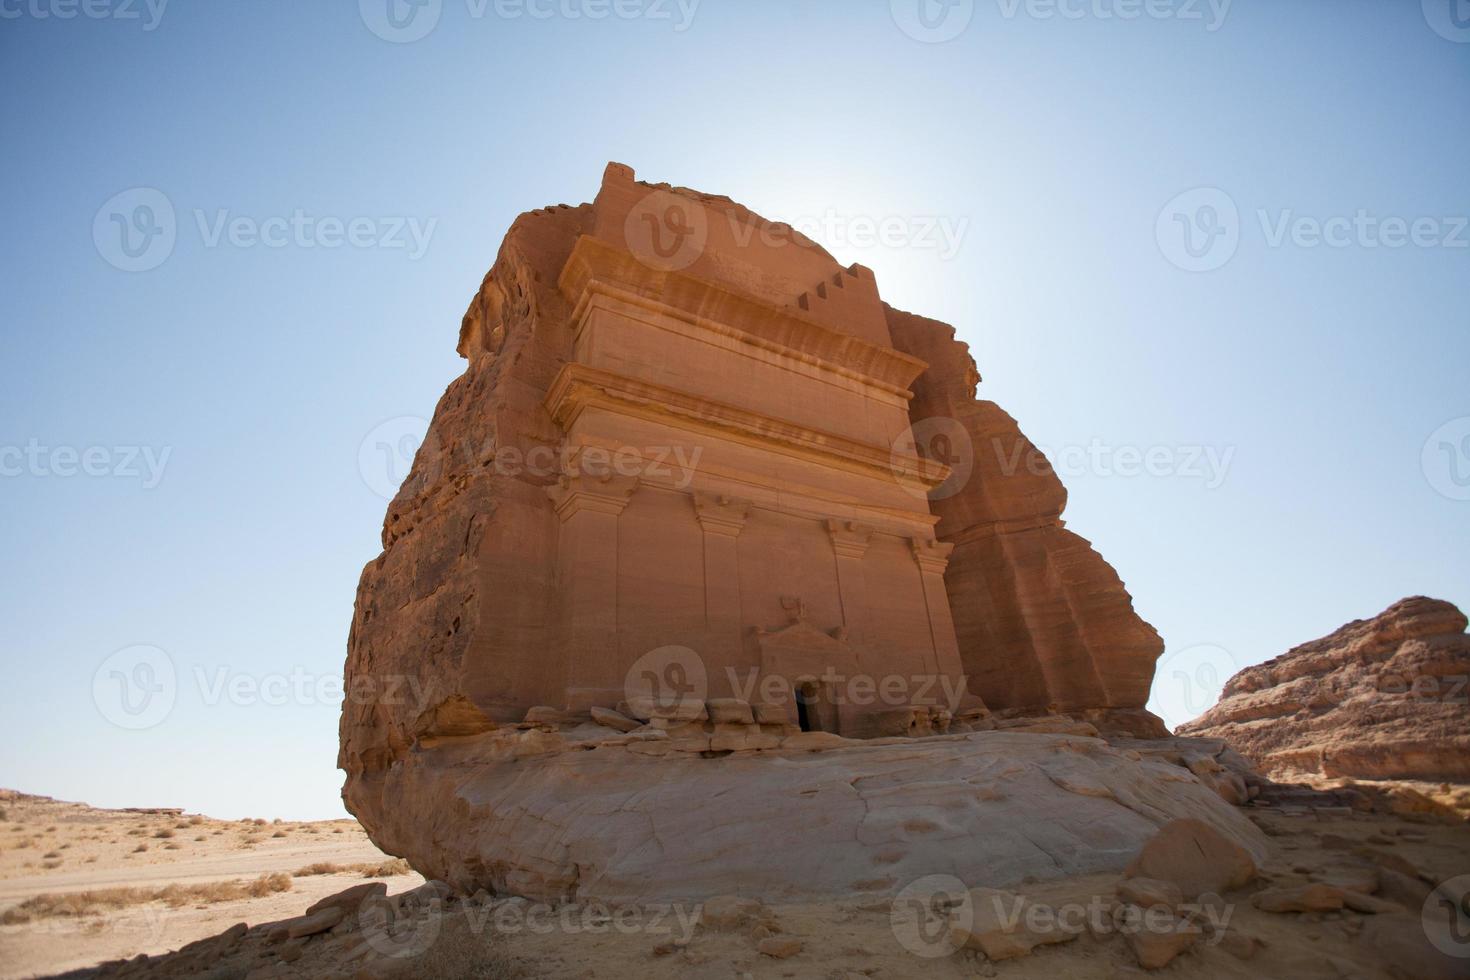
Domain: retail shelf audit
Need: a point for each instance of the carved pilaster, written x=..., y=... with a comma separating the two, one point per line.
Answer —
x=720, y=514
x=849, y=543
x=587, y=570
x=721, y=518
x=849, y=538
x=605, y=494
x=932, y=557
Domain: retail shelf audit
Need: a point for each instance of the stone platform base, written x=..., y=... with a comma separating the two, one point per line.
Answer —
x=590, y=814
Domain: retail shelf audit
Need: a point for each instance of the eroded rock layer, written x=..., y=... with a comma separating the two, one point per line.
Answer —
x=1378, y=699
x=625, y=818
x=685, y=428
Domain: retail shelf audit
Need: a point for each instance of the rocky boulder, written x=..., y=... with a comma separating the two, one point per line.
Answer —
x=1379, y=699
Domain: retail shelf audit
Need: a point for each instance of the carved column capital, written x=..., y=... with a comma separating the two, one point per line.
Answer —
x=932, y=555
x=605, y=494
x=720, y=514
x=849, y=538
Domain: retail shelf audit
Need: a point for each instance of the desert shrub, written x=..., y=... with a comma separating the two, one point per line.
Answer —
x=460, y=954
x=277, y=881
x=97, y=901
x=163, y=833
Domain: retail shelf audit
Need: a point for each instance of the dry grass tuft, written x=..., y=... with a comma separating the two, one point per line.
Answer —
x=101, y=900
x=371, y=869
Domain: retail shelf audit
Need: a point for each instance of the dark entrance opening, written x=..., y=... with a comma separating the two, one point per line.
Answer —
x=806, y=707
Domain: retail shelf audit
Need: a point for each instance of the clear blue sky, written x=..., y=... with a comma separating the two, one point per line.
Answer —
x=1055, y=142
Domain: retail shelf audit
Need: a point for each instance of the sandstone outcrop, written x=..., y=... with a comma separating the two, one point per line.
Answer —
x=700, y=488
x=1378, y=699
x=618, y=818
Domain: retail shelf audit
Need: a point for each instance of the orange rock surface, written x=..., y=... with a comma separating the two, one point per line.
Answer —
x=1378, y=699
x=684, y=427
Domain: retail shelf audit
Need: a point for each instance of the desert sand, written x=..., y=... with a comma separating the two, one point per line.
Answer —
x=1399, y=857
x=54, y=848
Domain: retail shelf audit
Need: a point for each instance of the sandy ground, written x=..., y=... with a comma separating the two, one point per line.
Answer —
x=50, y=847
x=510, y=938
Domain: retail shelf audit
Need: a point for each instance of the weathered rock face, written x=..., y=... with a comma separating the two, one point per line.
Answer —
x=693, y=456
x=1042, y=619
x=794, y=533
x=1378, y=699
x=626, y=818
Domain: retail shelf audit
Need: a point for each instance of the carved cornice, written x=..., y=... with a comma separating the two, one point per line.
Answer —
x=849, y=538
x=932, y=555
x=719, y=514
x=597, y=268
x=578, y=386
x=605, y=494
